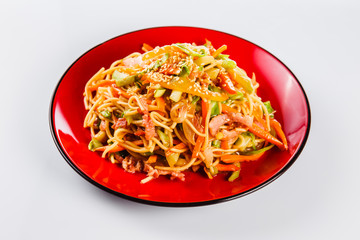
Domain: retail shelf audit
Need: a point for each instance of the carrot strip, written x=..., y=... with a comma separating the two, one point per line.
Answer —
x=179, y=146
x=219, y=50
x=210, y=46
x=101, y=84
x=227, y=109
x=122, y=92
x=226, y=83
x=198, y=144
x=146, y=47
x=152, y=159
x=160, y=102
x=205, y=105
x=240, y=158
x=277, y=126
x=258, y=131
x=208, y=173
x=225, y=144
x=227, y=167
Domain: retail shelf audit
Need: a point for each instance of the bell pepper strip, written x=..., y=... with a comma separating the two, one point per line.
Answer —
x=184, y=84
x=226, y=83
x=101, y=84
x=241, y=158
x=239, y=76
x=277, y=126
x=156, y=52
x=258, y=131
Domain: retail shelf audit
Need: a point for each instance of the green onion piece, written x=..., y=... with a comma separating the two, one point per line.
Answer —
x=175, y=95
x=214, y=89
x=187, y=50
x=216, y=143
x=238, y=95
x=222, y=56
x=94, y=143
x=213, y=171
x=228, y=64
x=172, y=159
x=259, y=151
x=125, y=81
x=100, y=136
x=235, y=174
x=129, y=118
x=119, y=75
x=163, y=137
x=184, y=71
x=146, y=154
x=195, y=99
x=215, y=109
x=106, y=113
x=160, y=62
x=159, y=92
x=269, y=108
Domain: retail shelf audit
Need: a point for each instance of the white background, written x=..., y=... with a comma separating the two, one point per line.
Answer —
x=43, y=198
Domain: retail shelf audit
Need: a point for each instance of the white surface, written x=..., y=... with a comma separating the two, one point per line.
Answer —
x=43, y=198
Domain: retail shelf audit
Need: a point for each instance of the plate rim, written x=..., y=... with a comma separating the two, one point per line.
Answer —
x=178, y=204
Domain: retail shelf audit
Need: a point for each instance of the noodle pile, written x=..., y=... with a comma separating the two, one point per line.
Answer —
x=179, y=107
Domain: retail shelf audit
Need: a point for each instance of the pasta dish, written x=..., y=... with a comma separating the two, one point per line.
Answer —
x=177, y=108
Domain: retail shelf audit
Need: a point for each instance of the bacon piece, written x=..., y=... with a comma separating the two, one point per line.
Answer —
x=120, y=122
x=217, y=122
x=133, y=62
x=149, y=125
x=239, y=118
x=103, y=125
x=139, y=132
x=230, y=135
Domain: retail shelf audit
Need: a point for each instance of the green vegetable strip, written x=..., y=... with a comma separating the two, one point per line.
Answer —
x=235, y=174
x=259, y=151
x=94, y=143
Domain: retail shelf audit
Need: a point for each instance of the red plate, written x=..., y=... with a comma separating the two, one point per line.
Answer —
x=277, y=84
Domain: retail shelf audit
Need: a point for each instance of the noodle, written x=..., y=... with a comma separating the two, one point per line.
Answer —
x=178, y=107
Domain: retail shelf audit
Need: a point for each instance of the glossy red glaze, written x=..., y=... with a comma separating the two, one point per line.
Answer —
x=277, y=84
